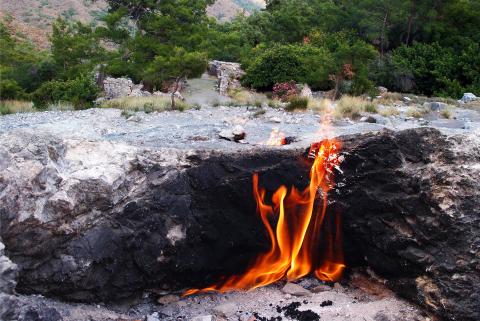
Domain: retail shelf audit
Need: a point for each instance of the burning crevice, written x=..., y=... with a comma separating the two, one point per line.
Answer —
x=298, y=244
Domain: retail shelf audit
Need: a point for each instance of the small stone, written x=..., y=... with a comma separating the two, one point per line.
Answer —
x=153, y=317
x=382, y=90
x=321, y=288
x=407, y=99
x=337, y=286
x=235, y=134
x=295, y=289
x=275, y=119
x=135, y=119
x=225, y=310
x=204, y=318
x=167, y=299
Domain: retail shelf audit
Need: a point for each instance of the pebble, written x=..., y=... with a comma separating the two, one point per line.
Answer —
x=295, y=289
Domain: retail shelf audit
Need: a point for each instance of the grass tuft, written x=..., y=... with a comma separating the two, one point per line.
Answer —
x=297, y=103
x=352, y=107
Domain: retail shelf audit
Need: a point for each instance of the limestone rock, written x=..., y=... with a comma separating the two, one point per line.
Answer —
x=226, y=310
x=295, y=289
x=468, y=97
x=228, y=74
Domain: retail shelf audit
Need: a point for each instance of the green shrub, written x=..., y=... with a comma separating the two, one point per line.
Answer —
x=438, y=70
x=81, y=92
x=10, y=89
x=284, y=63
x=297, y=103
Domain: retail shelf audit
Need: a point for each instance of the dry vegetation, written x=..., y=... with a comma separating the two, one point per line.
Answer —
x=15, y=106
x=352, y=107
x=146, y=104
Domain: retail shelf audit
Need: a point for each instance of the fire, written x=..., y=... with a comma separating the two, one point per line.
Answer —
x=277, y=138
x=298, y=244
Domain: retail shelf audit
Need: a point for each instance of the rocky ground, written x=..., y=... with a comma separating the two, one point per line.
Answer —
x=59, y=162
x=200, y=129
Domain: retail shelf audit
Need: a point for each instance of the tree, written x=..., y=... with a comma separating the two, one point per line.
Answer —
x=164, y=29
x=75, y=48
x=180, y=64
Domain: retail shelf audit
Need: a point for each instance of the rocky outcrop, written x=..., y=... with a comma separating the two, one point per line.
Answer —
x=101, y=221
x=411, y=210
x=228, y=74
x=122, y=87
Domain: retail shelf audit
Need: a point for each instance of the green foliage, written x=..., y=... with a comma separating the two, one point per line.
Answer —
x=283, y=63
x=178, y=64
x=81, y=92
x=439, y=71
x=75, y=49
x=9, y=89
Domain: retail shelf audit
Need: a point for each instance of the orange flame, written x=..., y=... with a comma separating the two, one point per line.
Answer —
x=297, y=246
x=277, y=138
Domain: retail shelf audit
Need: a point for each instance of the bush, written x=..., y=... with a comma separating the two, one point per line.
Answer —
x=284, y=91
x=81, y=92
x=439, y=71
x=297, y=103
x=10, y=89
x=284, y=63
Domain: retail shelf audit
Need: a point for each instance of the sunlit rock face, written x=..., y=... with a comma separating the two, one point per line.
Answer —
x=101, y=221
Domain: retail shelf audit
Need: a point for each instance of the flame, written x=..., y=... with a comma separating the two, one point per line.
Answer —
x=298, y=244
x=277, y=138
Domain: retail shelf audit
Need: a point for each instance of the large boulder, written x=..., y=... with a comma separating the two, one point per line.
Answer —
x=228, y=74
x=102, y=221
x=411, y=211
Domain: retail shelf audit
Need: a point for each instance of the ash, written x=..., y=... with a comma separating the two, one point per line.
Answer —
x=361, y=298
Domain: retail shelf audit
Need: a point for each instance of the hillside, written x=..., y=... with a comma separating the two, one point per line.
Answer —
x=32, y=19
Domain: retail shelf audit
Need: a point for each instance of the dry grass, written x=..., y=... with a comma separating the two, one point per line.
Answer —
x=389, y=111
x=16, y=106
x=352, y=107
x=389, y=98
x=320, y=105
x=446, y=113
x=416, y=112
x=146, y=104
x=243, y=97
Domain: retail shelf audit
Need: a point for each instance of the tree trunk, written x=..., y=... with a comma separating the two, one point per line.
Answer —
x=410, y=22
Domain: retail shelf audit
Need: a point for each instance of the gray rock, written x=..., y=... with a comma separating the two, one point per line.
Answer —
x=306, y=92
x=382, y=90
x=225, y=310
x=153, y=317
x=236, y=134
x=295, y=289
x=438, y=106
x=204, y=318
x=228, y=74
x=406, y=99
x=468, y=97
x=8, y=273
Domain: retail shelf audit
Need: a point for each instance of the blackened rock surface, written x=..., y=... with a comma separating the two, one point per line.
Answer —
x=411, y=208
x=98, y=221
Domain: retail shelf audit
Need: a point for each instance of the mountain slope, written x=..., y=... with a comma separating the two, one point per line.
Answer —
x=32, y=19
